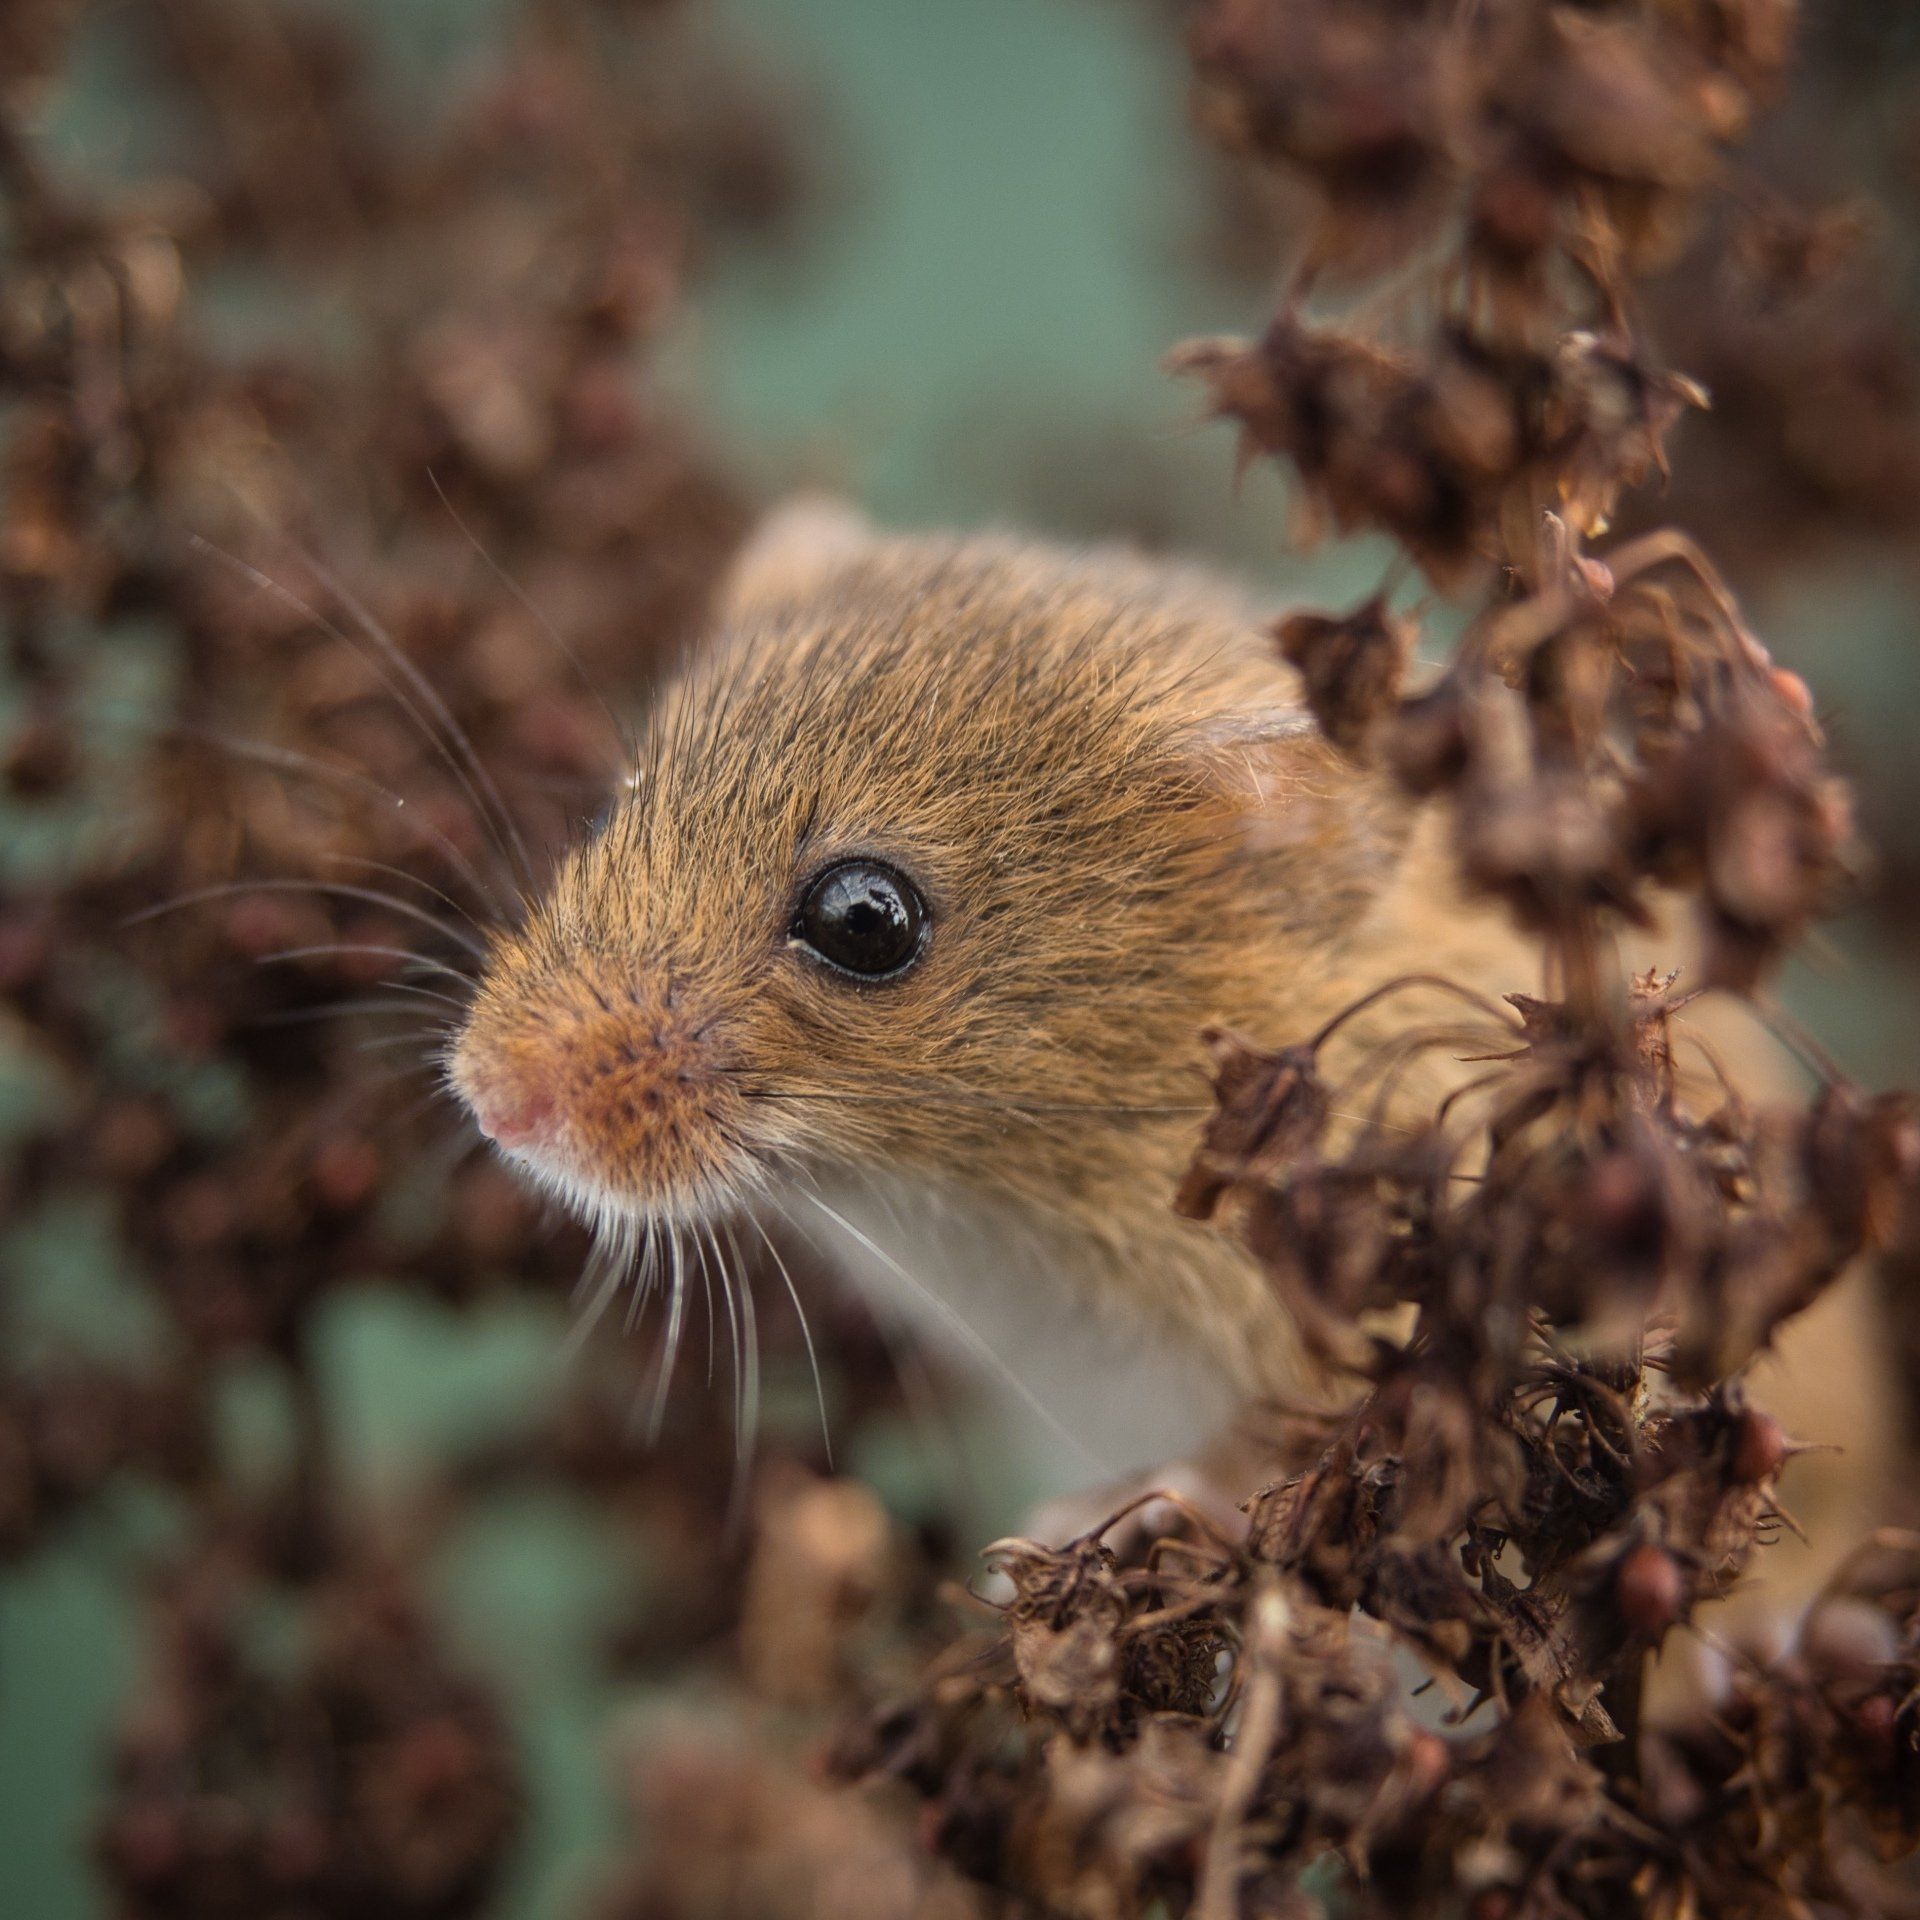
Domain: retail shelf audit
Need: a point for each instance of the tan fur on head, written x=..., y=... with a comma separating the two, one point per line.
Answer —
x=1095, y=774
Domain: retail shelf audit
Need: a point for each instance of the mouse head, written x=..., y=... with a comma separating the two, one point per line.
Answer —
x=934, y=861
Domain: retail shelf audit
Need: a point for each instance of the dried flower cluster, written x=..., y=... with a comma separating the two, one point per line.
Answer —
x=1141, y=1780
x=1652, y=743
x=1531, y=158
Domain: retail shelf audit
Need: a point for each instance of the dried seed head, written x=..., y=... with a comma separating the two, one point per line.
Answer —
x=1352, y=665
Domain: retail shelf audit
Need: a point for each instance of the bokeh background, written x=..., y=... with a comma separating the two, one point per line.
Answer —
x=928, y=255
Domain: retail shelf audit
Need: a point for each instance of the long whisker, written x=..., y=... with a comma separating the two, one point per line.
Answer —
x=923, y=1401
x=642, y=1289
x=713, y=1318
x=669, y=1349
x=348, y=779
x=935, y=1095
x=679, y=1280
x=350, y=947
x=750, y=1327
x=621, y=733
x=960, y=1326
x=451, y=729
x=959, y=1092
x=481, y=794
x=746, y=1379
x=599, y=1281
x=452, y=1000
x=392, y=1075
x=617, y=1233
x=433, y=1096
x=337, y=1009
x=414, y=880
x=961, y=1097
x=684, y=1267
x=460, y=1144
x=806, y=1332
x=328, y=889
x=418, y=1037
x=725, y=1289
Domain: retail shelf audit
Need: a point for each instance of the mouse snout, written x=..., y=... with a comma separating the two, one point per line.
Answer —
x=515, y=1118
x=616, y=1091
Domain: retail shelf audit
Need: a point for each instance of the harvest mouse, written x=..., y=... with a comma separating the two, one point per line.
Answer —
x=934, y=862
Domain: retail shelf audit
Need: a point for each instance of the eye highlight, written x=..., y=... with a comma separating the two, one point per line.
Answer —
x=862, y=917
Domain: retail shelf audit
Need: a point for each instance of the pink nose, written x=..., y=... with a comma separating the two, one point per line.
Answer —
x=515, y=1119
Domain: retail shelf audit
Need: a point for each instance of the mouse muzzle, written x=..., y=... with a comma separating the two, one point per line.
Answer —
x=613, y=1092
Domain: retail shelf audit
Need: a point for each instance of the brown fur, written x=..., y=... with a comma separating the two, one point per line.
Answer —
x=1097, y=772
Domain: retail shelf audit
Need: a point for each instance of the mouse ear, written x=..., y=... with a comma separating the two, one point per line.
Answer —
x=793, y=552
x=1336, y=830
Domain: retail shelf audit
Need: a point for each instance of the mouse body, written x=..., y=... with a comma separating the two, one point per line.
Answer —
x=933, y=865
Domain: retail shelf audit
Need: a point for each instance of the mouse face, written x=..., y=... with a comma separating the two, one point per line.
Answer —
x=934, y=866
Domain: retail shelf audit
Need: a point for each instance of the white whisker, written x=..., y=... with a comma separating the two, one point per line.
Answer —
x=430, y=1099
x=411, y=879
x=621, y=733
x=450, y=729
x=806, y=1331
x=642, y=1278
x=749, y=1318
x=669, y=1350
x=599, y=1280
x=925, y=1407
x=962, y=1098
x=385, y=649
x=326, y=772
x=387, y=1042
x=713, y=1323
x=733, y=1319
x=392, y=1076
x=458, y=1146
x=336, y=889
x=329, y=949
x=338, y=1009
x=968, y=1336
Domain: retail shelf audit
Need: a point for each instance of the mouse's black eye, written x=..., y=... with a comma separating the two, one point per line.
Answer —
x=863, y=918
